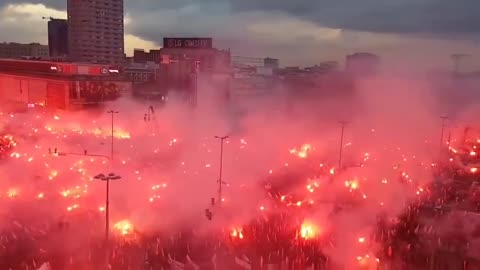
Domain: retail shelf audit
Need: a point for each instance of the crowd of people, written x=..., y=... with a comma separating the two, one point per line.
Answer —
x=414, y=241
x=438, y=230
x=6, y=145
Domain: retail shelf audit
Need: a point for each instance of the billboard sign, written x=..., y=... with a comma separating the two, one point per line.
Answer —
x=188, y=43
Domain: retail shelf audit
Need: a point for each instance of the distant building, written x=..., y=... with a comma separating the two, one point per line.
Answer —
x=362, y=64
x=271, y=63
x=58, y=39
x=24, y=51
x=141, y=56
x=141, y=73
x=290, y=70
x=198, y=52
x=323, y=67
x=96, y=31
x=154, y=56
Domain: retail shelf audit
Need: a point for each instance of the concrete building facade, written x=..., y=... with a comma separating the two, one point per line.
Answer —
x=96, y=31
x=142, y=56
x=19, y=51
x=141, y=72
x=58, y=39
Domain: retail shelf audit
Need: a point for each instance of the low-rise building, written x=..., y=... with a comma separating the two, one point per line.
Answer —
x=59, y=85
x=362, y=64
x=141, y=73
x=142, y=56
x=25, y=51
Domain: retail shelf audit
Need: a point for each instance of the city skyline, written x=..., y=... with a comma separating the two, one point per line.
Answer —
x=297, y=35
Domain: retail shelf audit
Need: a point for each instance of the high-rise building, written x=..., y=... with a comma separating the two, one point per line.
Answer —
x=58, y=38
x=18, y=50
x=96, y=31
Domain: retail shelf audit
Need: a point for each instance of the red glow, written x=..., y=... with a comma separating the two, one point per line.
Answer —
x=124, y=227
x=308, y=231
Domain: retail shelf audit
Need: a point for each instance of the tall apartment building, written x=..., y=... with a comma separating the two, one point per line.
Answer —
x=96, y=31
x=58, y=39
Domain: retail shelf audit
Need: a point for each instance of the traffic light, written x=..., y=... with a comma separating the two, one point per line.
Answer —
x=212, y=201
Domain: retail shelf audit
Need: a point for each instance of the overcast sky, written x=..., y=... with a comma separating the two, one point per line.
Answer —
x=299, y=32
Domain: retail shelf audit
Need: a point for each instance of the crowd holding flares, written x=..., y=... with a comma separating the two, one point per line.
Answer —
x=124, y=227
x=12, y=193
x=307, y=210
x=237, y=233
x=7, y=143
x=308, y=231
x=302, y=152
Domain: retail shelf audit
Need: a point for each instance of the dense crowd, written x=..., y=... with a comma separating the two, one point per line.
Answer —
x=6, y=145
x=413, y=241
x=437, y=230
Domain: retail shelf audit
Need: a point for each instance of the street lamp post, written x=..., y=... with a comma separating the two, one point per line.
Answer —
x=112, y=112
x=107, y=178
x=343, y=123
x=444, y=119
x=220, y=181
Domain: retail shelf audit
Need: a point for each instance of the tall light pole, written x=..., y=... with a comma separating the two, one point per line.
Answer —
x=107, y=178
x=112, y=112
x=343, y=123
x=444, y=119
x=220, y=180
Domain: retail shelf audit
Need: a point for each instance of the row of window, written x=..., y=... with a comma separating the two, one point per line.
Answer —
x=106, y=36
x=86, y=24
x=92, y=45
x=109, y=12
x=22, y=51
x=99, y=48
x=80, y=29
x=101, y=40
x=118, y=29
x=99, y=3
x=105, y=3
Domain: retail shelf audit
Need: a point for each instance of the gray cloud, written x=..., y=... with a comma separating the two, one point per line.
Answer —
x=58, y=4
x=279, y=27
x=400, y=16
x=444, y=17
